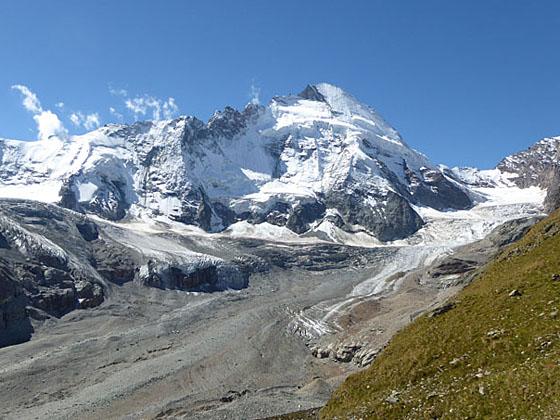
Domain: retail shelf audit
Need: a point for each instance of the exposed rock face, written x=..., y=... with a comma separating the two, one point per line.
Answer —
x=391, y=218
x=539, y=166
x=453, y=266
x=303, y=214
x=552, y=200
x=442, y=309
x=535, y=166
x=312, y=93
x=200, y=277
x=37, y=240
x=114, y=262
x=88, y=230
x=431, y=189
x=359, y=353
x=15, y=326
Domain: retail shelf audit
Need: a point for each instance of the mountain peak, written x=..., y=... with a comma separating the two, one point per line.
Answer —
x=312, y=93
x=337, y=98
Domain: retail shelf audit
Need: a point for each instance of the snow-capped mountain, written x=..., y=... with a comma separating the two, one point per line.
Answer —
x=296, y=162
x=539, y=165
x=536, y=165
x=304, y=161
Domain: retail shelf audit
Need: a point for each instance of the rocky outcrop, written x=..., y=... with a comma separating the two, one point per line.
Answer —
x=552, y=200
x=312, y=93
x=392, y=217
x=88, y=230
x=453, y=266
x=435, y=190
x=15, y=325
x=538, y=166
x=358, y=353
x=200, y=276
x=535, y=166
x=302, y=214
x=115, y=263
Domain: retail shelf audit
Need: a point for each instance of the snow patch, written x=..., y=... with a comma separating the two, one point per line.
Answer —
x=86, y=191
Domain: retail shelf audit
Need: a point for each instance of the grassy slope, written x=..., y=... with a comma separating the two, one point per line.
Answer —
x=492, y=356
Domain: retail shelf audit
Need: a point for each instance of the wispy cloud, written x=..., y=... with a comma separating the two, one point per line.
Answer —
x=30, y=100
x=255, y=94
x=48, y=123
x=151, y=106
x=88, y=121
x=116, y=114
x=144, y=106
x=118, y=92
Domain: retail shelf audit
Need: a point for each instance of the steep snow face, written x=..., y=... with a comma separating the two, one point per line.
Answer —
x=309, y=162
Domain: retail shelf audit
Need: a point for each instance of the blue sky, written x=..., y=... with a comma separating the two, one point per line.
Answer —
x=465, y=82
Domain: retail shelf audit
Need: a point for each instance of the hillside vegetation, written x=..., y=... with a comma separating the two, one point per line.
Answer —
x=493, y=352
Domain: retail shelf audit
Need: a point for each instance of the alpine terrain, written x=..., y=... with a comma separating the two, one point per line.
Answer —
x=241, y=267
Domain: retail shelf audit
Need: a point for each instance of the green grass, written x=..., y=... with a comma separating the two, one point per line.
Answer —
x=492, y=356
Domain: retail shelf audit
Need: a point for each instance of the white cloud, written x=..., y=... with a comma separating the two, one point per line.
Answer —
x=60, y=105
x=118, y=92
x=48, y=123
x=144, y=106
x=255, y=94
x=170, y=108
x=30, y=100
x=75, y=119
x=116, y=113
x=138, y=106
x=92, y=121
x=149, y=105
x=88, y=121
